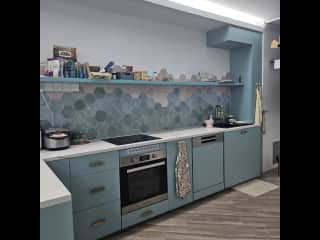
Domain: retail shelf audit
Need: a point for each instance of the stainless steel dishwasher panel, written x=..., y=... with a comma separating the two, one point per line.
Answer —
x=208, y=139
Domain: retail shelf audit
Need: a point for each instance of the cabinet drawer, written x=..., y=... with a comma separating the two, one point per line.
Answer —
x=94, y=163
x=94, y=189
x=97, y=222
x=144, y=214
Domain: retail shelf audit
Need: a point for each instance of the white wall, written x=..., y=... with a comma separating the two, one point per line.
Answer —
x=104, y=35
x=271, y=98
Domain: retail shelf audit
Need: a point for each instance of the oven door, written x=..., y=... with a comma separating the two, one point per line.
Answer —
x=143, y=184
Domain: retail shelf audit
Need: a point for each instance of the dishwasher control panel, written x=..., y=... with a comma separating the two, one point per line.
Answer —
x=207, y=139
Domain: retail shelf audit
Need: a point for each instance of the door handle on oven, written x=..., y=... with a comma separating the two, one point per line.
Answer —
x=146, y=167
x=147, y=213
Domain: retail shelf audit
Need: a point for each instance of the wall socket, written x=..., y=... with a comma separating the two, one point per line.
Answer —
x=276, y=152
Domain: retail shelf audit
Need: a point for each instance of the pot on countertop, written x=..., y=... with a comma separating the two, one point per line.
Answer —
x=56, y=139
x=230, y=119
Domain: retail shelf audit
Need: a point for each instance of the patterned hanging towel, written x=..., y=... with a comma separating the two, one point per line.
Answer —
x=183, y=182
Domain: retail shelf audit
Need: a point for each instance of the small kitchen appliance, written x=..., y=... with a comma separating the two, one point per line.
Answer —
x=56, y=139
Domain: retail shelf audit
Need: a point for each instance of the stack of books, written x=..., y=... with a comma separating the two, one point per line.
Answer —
x=68, y=68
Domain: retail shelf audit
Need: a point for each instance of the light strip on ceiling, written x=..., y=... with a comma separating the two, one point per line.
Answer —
x=210, y=7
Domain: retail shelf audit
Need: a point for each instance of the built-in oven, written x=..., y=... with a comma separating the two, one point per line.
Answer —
x=143, y=179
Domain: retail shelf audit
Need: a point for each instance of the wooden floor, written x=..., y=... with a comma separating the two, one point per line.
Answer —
x=227, y=215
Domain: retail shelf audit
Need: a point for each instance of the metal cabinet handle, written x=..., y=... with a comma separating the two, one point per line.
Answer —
x=97, y=190
x=98, y=223
x=147, y=213
x=243, y=131
x=96, y=163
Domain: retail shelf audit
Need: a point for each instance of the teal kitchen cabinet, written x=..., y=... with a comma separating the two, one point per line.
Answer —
x=61, y=169
x=97, y=222
x=174, y=200
x=95, y=189
x=56, y=222
x=242, y=155
x=207, y=165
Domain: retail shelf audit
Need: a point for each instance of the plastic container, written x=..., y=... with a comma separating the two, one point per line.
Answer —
x=124, y=76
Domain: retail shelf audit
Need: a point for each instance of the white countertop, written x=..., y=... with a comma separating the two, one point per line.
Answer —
x=52, y=191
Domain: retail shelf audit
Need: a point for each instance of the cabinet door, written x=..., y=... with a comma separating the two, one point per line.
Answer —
x=97, y=222
x=95, y=189
x=174, y=200
x=242, y=152
x=56, y=222
x=62, y=169
x=207, y=166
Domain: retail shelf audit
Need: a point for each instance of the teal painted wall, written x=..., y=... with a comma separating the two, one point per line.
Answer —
x=107, y=111
x=245, y=61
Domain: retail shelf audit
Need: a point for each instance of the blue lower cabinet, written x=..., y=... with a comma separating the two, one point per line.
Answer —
x=56, y=222
x=61, y=168
x=208, y=191
x=95, y=189
x=97, y=222
x=174, y=200
x=242, y=155
x=144, y=214
x=207, y=169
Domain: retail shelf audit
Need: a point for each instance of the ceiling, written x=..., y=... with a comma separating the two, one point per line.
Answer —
x=266, y=9
x=149, y=11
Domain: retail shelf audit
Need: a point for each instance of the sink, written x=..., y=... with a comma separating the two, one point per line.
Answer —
x=229, y=125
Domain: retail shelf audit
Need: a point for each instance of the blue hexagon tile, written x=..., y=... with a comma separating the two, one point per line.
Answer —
x=104, y=111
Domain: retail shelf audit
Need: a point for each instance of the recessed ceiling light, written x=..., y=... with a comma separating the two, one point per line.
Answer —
x=210, y=7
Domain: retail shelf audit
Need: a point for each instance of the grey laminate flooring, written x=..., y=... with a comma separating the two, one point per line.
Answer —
x=227, y=215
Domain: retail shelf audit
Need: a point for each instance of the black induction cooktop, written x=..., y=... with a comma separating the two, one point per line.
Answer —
x=129, y=139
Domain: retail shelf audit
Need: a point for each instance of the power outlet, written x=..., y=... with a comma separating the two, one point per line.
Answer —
x=276, y=152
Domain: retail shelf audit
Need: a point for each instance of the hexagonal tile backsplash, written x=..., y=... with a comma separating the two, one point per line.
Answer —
x=108, y=111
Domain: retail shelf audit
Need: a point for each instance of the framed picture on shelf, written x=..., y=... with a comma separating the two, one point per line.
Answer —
x=65, y=52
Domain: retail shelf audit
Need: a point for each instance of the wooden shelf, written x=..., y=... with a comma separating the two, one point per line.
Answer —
x=136, y=82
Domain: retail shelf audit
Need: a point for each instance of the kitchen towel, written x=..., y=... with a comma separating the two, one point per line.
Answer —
x=183, y=182
x=258, y=116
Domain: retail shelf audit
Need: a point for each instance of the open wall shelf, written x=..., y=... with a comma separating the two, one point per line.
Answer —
x=136, y=82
